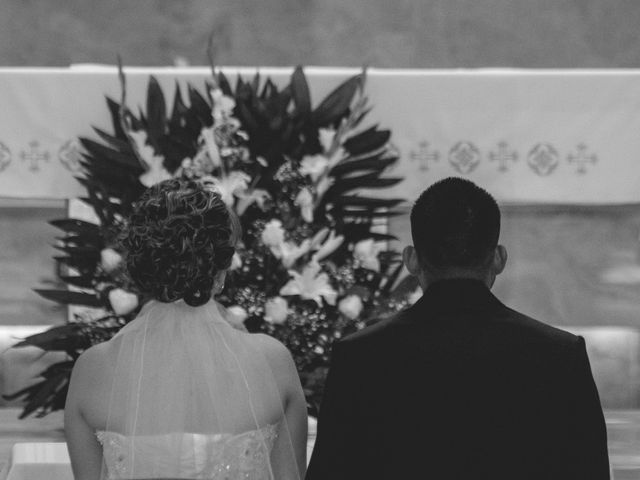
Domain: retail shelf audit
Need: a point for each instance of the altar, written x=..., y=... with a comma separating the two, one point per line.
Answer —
x=558, y=149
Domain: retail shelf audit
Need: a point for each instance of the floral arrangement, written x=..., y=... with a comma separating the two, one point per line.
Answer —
x=311, y=266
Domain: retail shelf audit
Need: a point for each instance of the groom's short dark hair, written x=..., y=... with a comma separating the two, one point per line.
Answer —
x=455, y=223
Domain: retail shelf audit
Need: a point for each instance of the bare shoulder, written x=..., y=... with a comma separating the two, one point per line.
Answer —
x=91, y=369
x=91, y=359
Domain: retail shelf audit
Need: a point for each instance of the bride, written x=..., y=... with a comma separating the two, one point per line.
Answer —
x=178, y=392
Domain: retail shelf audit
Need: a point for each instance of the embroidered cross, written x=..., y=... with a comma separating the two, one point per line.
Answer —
x=582, y=158
x=34, y=155
x=423, y=155
x=503, y=155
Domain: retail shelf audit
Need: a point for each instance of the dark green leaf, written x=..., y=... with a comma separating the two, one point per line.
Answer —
x=105, y=154
x=300, y=91
x=54, y=337
x=121, y=145
x=357, y=201
x=224, y=84
x=76, y=226
x=68, y=297
x=156, y=113
x=81, y=281
x=337, y=102
x=367, y=141
x=114, y=110
x=377, y=163
x=200, y=107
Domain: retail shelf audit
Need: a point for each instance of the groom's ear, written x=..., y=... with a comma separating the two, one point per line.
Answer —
x=411, y=261
x=500, y=257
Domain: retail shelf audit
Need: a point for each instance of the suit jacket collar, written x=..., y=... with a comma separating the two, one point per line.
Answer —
x=457, y=294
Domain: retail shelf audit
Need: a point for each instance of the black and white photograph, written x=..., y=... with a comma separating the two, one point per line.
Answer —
x=319, y=240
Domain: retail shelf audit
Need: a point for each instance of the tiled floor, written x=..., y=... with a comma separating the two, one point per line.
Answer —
x=623, y=428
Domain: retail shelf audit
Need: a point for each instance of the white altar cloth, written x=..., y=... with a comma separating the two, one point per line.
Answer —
x=531, y=136
x=40, y=461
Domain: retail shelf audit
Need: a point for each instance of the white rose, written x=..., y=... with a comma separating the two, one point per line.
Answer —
x=314, y=165
x=276, y=310
x=273, y=234
x=122, y=302
x=366, y=254
x=351, y=306
x=236, y=315
x=110, y=259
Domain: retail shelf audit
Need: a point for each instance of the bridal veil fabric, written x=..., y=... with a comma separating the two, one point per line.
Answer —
x=193, y=398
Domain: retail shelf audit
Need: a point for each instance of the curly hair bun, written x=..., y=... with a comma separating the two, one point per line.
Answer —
x=178, y=237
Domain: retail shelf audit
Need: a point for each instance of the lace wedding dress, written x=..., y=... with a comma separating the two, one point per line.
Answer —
x=193, y=398
x=211, y=457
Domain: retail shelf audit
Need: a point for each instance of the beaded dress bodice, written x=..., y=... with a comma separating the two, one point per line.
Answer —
x=243, y=456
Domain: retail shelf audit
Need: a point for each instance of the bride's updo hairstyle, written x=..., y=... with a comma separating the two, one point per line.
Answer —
x=178, y=237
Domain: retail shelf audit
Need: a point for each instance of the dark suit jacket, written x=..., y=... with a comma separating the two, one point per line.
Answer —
x=459, y=386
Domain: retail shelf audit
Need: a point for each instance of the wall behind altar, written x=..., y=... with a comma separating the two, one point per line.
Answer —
x=382, y=33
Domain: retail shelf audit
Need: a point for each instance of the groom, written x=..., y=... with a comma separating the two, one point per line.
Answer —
x=459, y=386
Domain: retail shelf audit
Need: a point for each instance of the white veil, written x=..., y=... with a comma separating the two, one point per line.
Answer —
x=192, y=397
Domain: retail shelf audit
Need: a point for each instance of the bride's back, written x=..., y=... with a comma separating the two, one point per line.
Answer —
x=179, y=368
x=178, y=392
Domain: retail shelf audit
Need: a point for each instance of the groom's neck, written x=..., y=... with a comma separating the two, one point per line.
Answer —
x=429, y=278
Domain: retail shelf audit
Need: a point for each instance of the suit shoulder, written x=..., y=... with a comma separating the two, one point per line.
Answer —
x=536, y=330
x=371, y=334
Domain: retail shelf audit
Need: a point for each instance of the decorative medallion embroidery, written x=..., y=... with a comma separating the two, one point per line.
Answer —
x=70, y=156
x=543, y=159
x=464, y=157
x=5, y=156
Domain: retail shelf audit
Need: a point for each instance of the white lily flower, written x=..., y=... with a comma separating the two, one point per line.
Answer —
x=319, y=237
x=223, y=105
x=336, y=157
x=366, y=254
x=305, y=201
x=326, y=137
x=256, y=195
x=207, y=139
x=314, y=165
x=290, y=252
x=329, y=246
x=154, y=164
x=311, y=284
x=229, y=186
x=323, y=186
